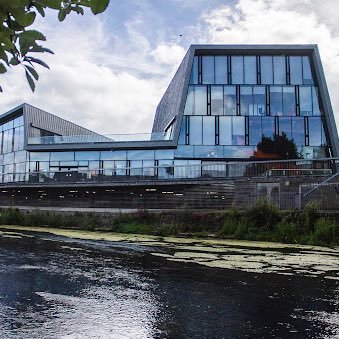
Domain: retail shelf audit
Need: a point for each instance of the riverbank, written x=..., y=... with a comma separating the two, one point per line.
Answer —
x=261, y=222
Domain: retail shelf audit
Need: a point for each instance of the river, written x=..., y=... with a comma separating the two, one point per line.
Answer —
x=65, y=284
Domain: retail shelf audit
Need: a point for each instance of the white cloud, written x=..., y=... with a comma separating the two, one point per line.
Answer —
x=97, y=80
x=168, y=54
x=112, y=81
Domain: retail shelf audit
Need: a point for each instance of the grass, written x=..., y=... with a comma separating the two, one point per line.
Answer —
x=262, y=221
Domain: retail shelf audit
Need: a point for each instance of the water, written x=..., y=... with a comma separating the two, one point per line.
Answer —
x=52, y=286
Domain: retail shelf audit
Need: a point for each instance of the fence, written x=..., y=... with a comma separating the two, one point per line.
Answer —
x=326, y=196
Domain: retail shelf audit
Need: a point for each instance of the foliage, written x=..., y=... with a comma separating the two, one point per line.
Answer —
x=279, y=145
x=326, y=232
x=263, y=215
x=263, y=221
x=18, y=43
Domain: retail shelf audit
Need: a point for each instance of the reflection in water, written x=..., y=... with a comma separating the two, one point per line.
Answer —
x=57, y=287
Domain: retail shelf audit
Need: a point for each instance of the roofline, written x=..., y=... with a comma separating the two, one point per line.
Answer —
x=13, y=110
x=255, y=46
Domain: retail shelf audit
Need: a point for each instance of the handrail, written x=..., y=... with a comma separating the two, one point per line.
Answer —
x=96, y=138
x=323, y=183
x=175, y=172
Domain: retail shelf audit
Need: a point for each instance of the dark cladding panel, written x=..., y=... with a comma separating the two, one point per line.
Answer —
x=174, y=98
x=35, y=117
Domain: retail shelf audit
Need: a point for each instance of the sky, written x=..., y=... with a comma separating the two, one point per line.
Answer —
x=109, y=71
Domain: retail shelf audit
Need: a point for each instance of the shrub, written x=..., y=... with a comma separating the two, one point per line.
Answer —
x=310, y=216
x=326, y=232
x=263, y=215
x=287, y=232
x=230, y=225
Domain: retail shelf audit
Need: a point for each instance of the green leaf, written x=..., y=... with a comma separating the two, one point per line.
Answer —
x=62, y=14
x=10, y=3
x=79, y=10
x=53, y=4
x=3, y=55
x=40, y=49
x=33, y=35
x=30, y=81
x=32, y=71
x=37, y=61
x=98, y=6
x=40, y=9
x=14, y=61
x=3, y=69
x=22, y=18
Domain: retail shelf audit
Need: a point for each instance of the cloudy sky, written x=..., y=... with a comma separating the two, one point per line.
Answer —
x=110, y=71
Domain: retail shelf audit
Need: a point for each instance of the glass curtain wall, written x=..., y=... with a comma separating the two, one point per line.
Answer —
x=12, y=156
x=238, y=100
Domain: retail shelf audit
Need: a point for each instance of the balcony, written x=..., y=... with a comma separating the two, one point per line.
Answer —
x=97, y=138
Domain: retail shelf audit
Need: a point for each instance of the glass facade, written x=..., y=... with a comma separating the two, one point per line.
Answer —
x=242, y=99
x=12, y=155
x=234, y=103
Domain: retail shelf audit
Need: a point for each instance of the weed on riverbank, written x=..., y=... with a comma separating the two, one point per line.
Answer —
x=262, y=221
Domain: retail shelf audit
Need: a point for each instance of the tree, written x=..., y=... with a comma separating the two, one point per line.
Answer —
x=18, y=43
x=280, y=146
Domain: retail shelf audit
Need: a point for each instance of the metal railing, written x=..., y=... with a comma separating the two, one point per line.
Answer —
x=206, y=171
x=96, y=138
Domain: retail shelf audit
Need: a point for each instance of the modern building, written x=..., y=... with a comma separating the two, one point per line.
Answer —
x=230, y=111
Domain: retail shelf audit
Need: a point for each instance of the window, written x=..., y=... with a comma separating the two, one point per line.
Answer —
x=250, y=65
x=113, y=155
x=208, y=130
x=208, y=151
x=208, y=69
x=196, y=102
x=182, y=134
x=164, y=154
x=140, y=155
x=285, y=126
x=315, y=101
x=266, y=70
x=238, y=130
x=120, y=167
x=62, y=156
x=237, y=65
x=246, y=100
x=307, y=73
x=314, y=131
x=279, y=70
x=255, y=132
x=217, y=105
x=189, y=106
x=148, y=168
x=220, y=69
x=225, y=130
x=305, y=98
x=289, y=100
x=230, y=100
x=39, y=156
x=276, y=100
x=268, y=127
x=195, y=131
x=88, y=155
x=296, y=74
x=195, y=71
x=298, y=131
x=200, y=100
x=165, y=169
x=259, y=100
